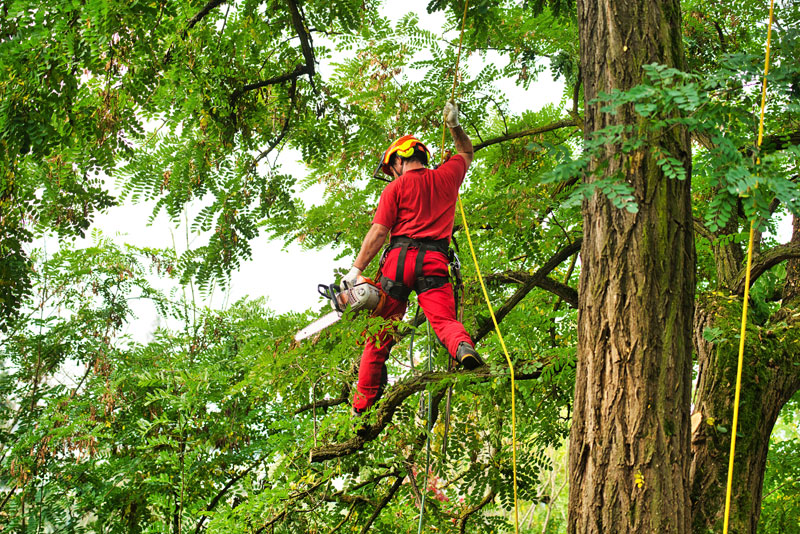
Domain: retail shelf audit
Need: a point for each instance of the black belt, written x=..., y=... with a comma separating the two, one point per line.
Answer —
x=396, y=288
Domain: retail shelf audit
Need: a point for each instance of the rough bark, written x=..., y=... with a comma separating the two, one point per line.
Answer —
x=769, y=379
x=629, y=443
x=791, y=289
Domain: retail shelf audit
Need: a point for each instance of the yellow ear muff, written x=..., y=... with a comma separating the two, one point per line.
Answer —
x=407, y=153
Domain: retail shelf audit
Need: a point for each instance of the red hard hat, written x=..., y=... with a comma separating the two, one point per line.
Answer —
x=405, y=148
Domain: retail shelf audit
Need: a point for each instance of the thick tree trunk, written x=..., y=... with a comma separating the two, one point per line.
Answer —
x=629, y=444
x=769, y=379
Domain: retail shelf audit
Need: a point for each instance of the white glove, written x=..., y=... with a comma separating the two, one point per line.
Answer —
x=451, y=114
x=351, y=278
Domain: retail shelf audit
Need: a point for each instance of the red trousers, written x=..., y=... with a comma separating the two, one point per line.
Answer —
x=439, y=308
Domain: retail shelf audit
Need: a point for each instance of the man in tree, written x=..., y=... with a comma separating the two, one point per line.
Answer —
x=417, y=208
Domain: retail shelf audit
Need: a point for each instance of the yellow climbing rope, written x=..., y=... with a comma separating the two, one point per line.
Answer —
x=485, y=293
x=746, y=290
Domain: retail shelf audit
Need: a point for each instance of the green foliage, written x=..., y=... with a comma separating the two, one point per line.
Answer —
x=781, y=505
x=208, y=425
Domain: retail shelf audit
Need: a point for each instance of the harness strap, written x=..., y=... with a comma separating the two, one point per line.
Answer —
x=396, y=288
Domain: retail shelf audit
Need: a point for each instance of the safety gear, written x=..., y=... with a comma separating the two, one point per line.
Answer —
x=351, y=278
x=395, y=287
x=439, y=307
x=451, y=114
x=362, y=295
x=467, y=356
x=405, y=147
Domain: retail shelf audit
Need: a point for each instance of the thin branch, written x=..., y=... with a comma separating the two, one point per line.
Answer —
x=285, y=129
x=778, y=487
x=323, y=403
x=8, y=496
x=200, y=15
x=296, y=73
x=564, y=123
x=326, y=403
x=396, y=486
x=206, y=9
x=223, y=491
x=344, y=520
x=462, y=520
x=271, y=522
x=575, y=94
x=392, y=473
x=535, y=280
x=765, y=262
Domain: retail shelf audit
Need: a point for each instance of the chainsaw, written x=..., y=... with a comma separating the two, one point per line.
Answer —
x=365, y=295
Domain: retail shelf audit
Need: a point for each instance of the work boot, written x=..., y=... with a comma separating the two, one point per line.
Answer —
x=468, y=357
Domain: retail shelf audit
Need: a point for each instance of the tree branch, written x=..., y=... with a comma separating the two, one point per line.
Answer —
x=535, y=279
x=566, y=293
x=285, y=129
x=700, y=228
x=775, y=142
x=395, y=397
x=200, y=15
x=206, y=9
x=462, y=520
x=323, y=403
x=396, y=486
x=560, y=289
x=8, y=496
x=302, y=33
x=575, y=94
x=296, y=73
x=565, y=123
x=765, y=262
x=223, y=491
x=344, y=520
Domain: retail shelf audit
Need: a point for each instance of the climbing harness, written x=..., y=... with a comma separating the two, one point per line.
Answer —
x=743, y=331
x=395, y=288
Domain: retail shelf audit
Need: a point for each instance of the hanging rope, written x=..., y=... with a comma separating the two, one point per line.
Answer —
x=483, y=288
x=428, y=426
x=746, y=291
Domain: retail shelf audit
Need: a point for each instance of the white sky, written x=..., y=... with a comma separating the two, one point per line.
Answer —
x=287, y=278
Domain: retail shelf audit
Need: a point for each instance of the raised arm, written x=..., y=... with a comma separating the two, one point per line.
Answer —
x=460, y=138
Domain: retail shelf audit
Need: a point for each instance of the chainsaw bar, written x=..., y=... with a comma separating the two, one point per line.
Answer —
x=317, y=326
x=364, y=295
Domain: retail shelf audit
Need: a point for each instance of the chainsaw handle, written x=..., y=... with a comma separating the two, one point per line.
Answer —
x=330, y=292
